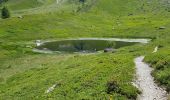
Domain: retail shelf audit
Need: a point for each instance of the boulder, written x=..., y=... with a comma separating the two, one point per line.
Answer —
x=20, y=17
x=162, y=27
x=108, y=50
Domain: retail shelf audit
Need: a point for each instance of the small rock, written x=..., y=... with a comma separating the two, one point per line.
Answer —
x=108, y=50
x=20, y=17
x=130, y=14
x=28, y=46
x=162, y=27
x=38, y=42
x=51, y=88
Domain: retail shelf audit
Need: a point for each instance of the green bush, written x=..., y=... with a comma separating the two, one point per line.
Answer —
x=5, y=13
x=112, y=86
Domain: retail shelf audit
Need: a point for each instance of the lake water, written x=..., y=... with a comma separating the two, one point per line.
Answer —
x=85, y=45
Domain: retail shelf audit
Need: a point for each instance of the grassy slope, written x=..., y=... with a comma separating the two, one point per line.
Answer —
x=75, y=79
x=26, y=4
x=129, y=18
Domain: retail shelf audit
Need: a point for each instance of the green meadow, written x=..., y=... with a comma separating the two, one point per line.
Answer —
x=26, y=75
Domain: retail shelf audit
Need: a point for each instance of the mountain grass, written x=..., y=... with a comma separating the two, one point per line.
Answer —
x=160, y=62
x=27, y=75
x=26, y=4
x=79, y=76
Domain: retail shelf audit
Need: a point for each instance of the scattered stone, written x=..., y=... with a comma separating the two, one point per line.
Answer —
x=28, y=46
x=108, y=50
x=130, y=14
x=51, y=88
x=155, y=49
x=162, y=27
x=20, y=17
x=38, y=42
x=45, y=49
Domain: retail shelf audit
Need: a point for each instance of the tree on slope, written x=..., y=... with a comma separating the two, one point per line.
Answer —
x=5, y=13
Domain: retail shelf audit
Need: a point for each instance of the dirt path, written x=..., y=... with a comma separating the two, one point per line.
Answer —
x=145, y=82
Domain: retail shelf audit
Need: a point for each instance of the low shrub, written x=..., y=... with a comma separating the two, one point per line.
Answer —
x=5, y=13
x=112, y=86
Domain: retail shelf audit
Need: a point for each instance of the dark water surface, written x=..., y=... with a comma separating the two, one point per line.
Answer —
x=82, y=45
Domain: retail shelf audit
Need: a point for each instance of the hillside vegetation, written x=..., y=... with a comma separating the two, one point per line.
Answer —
x=27, y=75
x=27, y=4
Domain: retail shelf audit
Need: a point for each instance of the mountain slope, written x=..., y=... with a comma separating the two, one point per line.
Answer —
x=26, y=4
x=25, y=74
